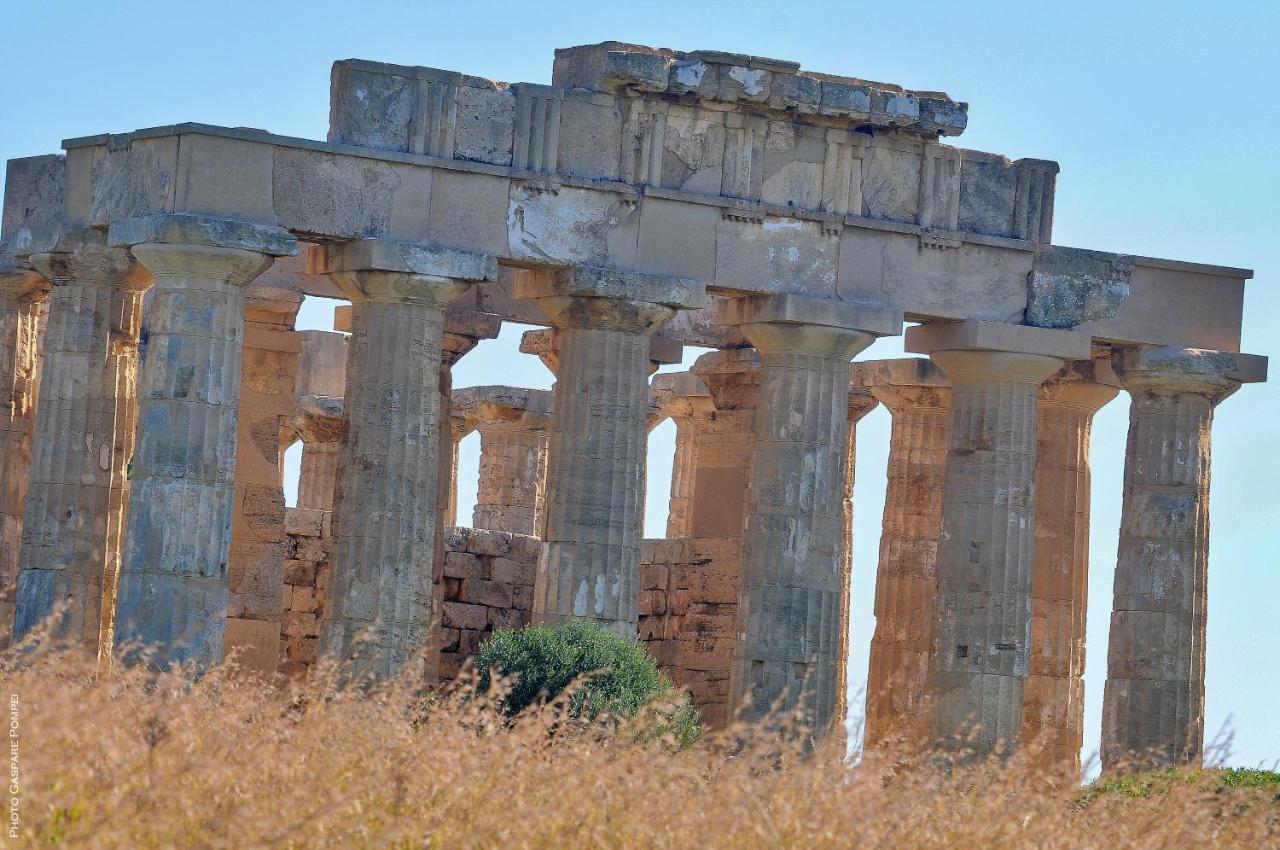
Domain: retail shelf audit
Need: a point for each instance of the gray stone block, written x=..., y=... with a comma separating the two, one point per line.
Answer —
x=1071, y=286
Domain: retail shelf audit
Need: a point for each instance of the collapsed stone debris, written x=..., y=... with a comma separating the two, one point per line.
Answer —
x=646, y=200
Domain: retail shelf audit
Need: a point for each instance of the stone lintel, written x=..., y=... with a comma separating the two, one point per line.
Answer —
x=677, y=293
x=899, y=371
x=1186, y=365
x=874, y=319
x=183, y=229
x=408, y=257
x=973, y=335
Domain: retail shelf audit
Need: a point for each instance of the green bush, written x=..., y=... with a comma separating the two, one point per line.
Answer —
x=614, y=675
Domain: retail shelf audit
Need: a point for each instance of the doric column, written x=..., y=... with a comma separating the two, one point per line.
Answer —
x=380, y=599
x=1053, y=695
x=604, y=319
x=688, y=402
x=318, y=391
x=255, y=563
x=982, y=611
x=75, y=495
x=792, y=585
x=918, y=397
x=861, y=403
x=21, y=292
x=173, y=586
x=1153, y=705
x=514, y=425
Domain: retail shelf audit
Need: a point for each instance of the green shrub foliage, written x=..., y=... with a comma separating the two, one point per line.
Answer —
x=610, y=674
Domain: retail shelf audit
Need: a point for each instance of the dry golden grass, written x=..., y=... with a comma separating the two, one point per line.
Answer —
x=110, y=759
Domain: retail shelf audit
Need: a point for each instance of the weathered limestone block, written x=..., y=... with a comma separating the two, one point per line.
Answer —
x=83, y=435
x=173, y=587
x=1070, y=286
x=999, y=197
x=22, y=291
x=514, y=425
x=918, y=397
x=255, y=565
x=1153, y=705
x=487, y=584
x=982, y=611
x=1053, y=695
x=310, y=534
x=595, y=470
x=792, y=586
x=34, y=202
x=688, y=402
x=380, y=602
x=754, y=82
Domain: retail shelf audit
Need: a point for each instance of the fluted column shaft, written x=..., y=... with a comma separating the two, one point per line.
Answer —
x=595, y=478
x=173, y=586
x=683, y=469
x=860, y=404
x=982, y=612
x=380, y=599
x=919, y=400
x=318, y=477
x=1153, y=704
x=604, y=319
x=75, y=496
x=21, y=293
x=1053, y=695
x=792, y=582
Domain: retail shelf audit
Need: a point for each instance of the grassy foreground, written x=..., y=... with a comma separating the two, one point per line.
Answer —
x=106, y=759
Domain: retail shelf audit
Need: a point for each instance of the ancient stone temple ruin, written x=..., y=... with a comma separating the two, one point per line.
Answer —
x=645, y=201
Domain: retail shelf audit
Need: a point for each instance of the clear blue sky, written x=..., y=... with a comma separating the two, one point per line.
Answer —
x=1163, y=117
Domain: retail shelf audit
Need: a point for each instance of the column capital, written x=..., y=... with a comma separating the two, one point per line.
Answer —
x=503, y=408
x=20, y=283
x=271, y=304
x=591, y=297
x=1175, y=371
x=861, y=402
x=83, y=255
x=318, y=419
x=181, y=246
x=681, y=395
x=973, y=350
x=383, y=271
x=183, y=229
x=543, y=344
x=904, y=383
x=1085, y=386
x=815, y=326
